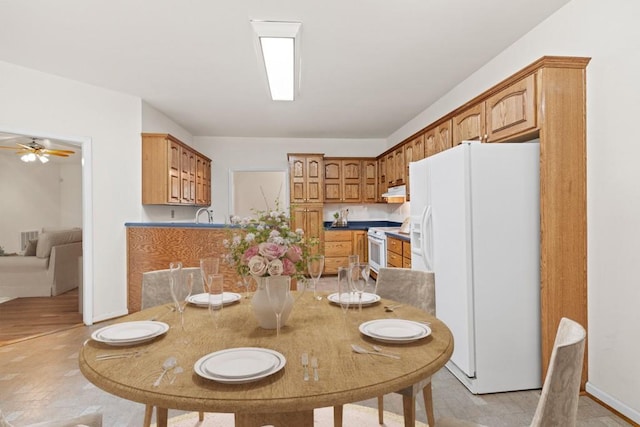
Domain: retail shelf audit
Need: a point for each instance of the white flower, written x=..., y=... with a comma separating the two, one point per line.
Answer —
x=275, y=267
x=250, y=237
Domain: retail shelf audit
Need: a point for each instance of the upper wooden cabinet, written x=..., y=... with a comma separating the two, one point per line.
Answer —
x=413, y=151
x=505, y=114
x=306, y=178
x=383, y=184
x=174, y=173
x=342, y=180
x=437, y=138
x=370, y=180
x=511, y=111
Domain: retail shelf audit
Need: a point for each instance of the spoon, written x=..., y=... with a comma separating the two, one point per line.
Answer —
x=390, y=308
x=168, y=364
x=361, y=350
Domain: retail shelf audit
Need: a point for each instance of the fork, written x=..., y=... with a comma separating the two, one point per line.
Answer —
x=305, y=364
x=314, y=365
x=126, y=355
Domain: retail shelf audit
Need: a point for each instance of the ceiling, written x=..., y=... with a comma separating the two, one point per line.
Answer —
x=368, y=67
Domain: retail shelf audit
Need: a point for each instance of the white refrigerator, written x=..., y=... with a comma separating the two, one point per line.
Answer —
x=475, y=223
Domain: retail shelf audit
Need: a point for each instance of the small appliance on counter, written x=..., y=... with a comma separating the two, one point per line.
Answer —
x=341, y=218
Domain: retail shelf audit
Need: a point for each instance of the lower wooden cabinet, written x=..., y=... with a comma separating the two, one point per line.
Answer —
x=398, y=253
x=339, y=244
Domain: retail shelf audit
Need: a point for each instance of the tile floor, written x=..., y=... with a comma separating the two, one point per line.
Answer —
x=40, y=380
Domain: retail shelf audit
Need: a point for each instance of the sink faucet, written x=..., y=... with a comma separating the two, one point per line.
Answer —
x=209, y=215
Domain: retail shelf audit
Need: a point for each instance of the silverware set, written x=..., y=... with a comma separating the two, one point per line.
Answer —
x=125, y=355
x=304, y=358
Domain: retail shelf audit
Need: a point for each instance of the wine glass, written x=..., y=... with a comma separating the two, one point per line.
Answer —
x=181, y=287
x=315, y=266
x=245, y=280
x=216, y=296
x=208, y=265
x=278, y=289
x=353, y=259
x=344, y=292
x=359, y=276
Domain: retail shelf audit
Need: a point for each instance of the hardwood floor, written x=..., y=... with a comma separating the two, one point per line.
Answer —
x=23, y=318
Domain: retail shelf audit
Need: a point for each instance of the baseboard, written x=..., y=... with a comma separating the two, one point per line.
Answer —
x=629, y=414
x=109, y=316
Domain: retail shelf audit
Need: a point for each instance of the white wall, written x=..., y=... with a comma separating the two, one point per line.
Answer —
x=36, y=103
x=36, y=195
x=609, y=33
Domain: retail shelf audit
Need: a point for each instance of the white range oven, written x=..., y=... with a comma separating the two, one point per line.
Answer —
x=377, y=237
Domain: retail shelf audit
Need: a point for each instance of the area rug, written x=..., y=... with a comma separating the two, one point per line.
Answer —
x=353, y=416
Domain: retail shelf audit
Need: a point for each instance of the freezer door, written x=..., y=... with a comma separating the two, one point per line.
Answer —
x=452, y=262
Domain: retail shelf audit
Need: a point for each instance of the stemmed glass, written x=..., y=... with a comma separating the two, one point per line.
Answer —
x=315, y=266
x=359, y=276
x=353, y=259
x=208, y=265
x=181, y=288
x=216, y=296
x=278, y=289
x=245, y=280
x=344, y=292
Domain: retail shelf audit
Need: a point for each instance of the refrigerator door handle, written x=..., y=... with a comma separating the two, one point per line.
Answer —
x=425, y=241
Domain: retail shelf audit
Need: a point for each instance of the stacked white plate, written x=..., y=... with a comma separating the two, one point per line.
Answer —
x=130, y=333
x=367, y=298
x=202, y=300
x=396, y=331
x=239, y=365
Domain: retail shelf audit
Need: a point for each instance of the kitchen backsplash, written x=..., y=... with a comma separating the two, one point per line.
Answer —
x=369, y=212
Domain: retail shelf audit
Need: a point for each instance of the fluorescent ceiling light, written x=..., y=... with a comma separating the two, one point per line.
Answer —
x=278, y=47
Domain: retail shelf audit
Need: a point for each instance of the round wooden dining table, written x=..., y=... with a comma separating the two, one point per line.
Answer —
x=318, y=328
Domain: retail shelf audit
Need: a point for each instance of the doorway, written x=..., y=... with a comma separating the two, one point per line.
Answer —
x=83, y=147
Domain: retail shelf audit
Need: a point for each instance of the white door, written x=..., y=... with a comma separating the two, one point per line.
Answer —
x=449, y=195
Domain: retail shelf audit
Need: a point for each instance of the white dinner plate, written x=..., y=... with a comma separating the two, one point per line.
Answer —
x=239, y=365
x=128, y=333
x=395, y=330
x=367, y=299
x=202, y=300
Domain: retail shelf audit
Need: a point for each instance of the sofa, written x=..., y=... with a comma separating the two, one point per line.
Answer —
x=48, y=267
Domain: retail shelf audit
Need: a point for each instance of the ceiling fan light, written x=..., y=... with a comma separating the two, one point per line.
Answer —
x=29, y=157
x=43, y=158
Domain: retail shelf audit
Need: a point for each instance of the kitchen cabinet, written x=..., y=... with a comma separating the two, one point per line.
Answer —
x=309, y=218
x=438, y=138
x=399, y=167
x=398, y=253
x=306, y=178
x=343, y=180
x=413, y=151
x=508, y=113
x=339, y=244
x=383, y=184
x=173, y=172
x=370, y=180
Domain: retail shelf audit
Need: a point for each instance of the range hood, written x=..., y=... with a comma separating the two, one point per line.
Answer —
x=396, y=194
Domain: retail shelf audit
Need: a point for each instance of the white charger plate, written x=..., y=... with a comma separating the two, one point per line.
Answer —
x=396, y=331
x=202, y=300
x=128, y=333
x=220, y=366
x=367, y=299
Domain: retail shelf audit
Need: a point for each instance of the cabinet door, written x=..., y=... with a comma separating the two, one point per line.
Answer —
x=370, y=184
x=351, y=180
x=192, y=178
x=469, y=125
x=382, y=177
x=175, y=172
x=391, y=170
x=314, y=190
x=512, y=110
x=207, y=182
x=332, y=180
x=443, y=139
x=199, y=181
x=360, y=245
x=399, y=168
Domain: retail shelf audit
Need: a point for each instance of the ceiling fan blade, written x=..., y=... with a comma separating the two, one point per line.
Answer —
x=54, y=151
x=58, y=154
x=26, y=147
x=11, y=148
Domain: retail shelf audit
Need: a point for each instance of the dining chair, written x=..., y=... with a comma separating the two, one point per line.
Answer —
x=558, y=404
x=88, y=420
x=156, y=290
x=416, y=288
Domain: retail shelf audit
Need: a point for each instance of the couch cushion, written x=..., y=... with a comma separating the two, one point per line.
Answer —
x=30, y=250
x=47, y=240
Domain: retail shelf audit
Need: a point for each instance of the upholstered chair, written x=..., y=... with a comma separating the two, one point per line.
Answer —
x=415, y=288
x=156, y=290
x=558, y=404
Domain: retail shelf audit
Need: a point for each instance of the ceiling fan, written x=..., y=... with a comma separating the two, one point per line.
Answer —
x=35, y=151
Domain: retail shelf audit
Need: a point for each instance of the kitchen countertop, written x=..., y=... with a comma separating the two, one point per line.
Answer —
x=361, y=225
x=178, y=225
